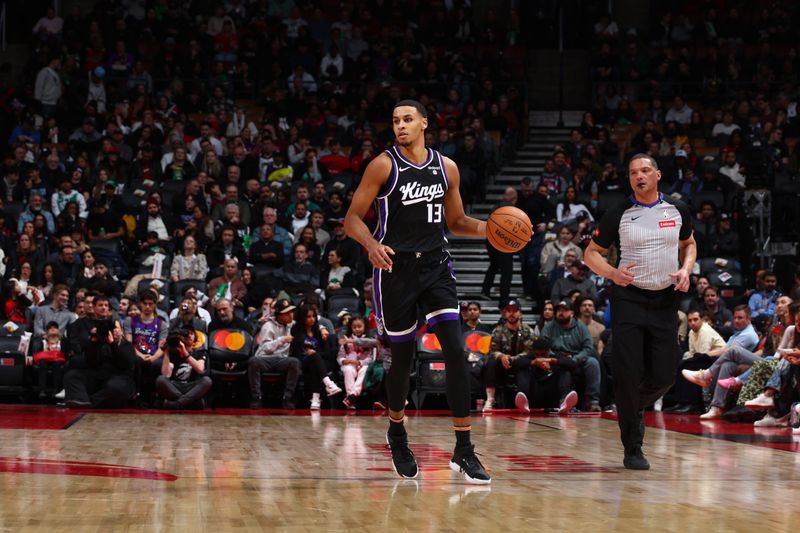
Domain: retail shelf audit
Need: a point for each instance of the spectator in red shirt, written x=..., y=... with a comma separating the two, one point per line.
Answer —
x=360, y=160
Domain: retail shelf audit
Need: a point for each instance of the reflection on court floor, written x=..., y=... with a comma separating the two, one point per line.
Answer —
x=254, y=470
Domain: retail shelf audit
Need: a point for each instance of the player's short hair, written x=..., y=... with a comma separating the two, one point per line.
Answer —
x=645, y=156
x=412, y=103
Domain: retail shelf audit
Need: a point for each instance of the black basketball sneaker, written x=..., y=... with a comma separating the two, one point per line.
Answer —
x=465, y=461
x=403, y=460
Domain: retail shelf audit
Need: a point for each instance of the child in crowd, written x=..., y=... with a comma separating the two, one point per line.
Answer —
x=50, y=359
x=356, y=352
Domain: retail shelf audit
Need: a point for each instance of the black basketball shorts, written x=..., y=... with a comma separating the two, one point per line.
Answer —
x=425, y=279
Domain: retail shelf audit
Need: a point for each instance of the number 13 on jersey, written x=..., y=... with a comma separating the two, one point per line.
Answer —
x=434, y=213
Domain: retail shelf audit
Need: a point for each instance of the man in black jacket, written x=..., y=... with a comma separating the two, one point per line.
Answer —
x=106, y=381
x=155, y=219
x=225, y=318
x=472, y=163
x=549, y=376
x=267, y=251
x=727, y=244
x=79, y=332
x=539, y=211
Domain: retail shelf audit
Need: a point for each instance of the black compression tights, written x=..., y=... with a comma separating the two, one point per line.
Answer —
x=458, y=395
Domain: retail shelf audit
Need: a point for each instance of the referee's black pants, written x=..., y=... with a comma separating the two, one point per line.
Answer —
x=644, y=326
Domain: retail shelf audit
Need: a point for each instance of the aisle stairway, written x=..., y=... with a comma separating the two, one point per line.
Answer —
x=471, y=258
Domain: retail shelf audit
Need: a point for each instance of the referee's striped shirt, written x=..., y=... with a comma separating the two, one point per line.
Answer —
x=648, y=235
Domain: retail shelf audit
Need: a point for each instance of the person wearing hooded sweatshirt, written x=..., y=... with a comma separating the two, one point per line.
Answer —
x=571, y=337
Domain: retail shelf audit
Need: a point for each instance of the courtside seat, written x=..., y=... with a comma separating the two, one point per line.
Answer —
x=229, y=351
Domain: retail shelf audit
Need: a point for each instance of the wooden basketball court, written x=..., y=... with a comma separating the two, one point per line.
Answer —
x=271, y=470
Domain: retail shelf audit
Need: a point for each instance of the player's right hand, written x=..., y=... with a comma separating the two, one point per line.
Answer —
x=623, y=276
x=379, y=256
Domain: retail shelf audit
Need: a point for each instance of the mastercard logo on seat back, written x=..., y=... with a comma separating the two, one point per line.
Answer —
x=228, y=340
x=431, y=342
x=477, y=343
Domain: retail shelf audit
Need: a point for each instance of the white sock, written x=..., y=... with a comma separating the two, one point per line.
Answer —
x=327, y=381
x=314, y=396
x=490, y=393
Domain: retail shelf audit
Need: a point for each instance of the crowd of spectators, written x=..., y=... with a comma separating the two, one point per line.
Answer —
x=174, y=173
x=711, y=91
x=188, y=166
x=705, y=95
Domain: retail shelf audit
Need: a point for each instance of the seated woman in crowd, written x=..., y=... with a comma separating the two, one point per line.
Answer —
x=339, y=275
x=554, y=251
x=48, y=277
x=258, y=289
x=87, y=272
x=308, y=345
x=25, y=252
x=27, y=287
x=567, y=210
x=69, y=219
x=308, y=237
x=41, y=233
x=189, y=264
x=548, y=313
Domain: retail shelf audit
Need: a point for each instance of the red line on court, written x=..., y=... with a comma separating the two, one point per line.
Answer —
x=777, y=438
x=35, y=417
x=18, y=465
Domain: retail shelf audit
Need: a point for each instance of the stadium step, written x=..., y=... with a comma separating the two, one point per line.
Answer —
x=469, y=254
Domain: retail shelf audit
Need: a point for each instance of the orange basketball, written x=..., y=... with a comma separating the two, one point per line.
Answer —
x=508, y=229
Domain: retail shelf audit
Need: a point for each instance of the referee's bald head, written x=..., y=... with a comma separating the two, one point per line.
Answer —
x=649, y=158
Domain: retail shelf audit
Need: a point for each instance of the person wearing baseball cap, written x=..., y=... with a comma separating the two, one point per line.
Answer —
x=272, y=354
x=571, y=338
x=727, y=244
x=550, y=379
x=511, y=342
x=577, y=279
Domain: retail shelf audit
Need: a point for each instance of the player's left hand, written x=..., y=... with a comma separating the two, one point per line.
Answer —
x=681, y=280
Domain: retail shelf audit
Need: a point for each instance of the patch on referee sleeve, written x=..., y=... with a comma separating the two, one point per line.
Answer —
x=667, y=224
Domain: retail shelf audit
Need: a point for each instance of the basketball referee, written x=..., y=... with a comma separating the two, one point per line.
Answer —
x=657, y=252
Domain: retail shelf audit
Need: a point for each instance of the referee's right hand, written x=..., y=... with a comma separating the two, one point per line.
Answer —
x=623, y=276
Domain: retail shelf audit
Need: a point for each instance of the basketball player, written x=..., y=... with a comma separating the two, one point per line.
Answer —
x=415, y=191
x=656, y=254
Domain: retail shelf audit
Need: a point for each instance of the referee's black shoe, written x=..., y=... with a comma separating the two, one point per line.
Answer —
x=635, y=460
x=465, y=461
x=403, y=460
